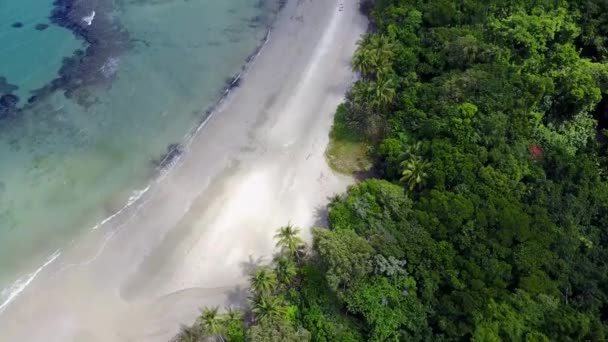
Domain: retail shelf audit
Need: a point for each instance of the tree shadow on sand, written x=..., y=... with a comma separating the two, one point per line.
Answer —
x=249, y=266
x=321, y=216
x=237, y=297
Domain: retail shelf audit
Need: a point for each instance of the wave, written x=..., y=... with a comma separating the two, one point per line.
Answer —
x=8, y=294
x=216, y=107
x=89, y=19
x=135, y=196
x=235, y=82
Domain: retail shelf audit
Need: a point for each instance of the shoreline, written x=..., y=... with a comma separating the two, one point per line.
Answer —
x=167, y=162
x=256, y=162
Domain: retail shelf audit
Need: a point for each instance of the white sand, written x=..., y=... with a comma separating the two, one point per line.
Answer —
x=257, y=164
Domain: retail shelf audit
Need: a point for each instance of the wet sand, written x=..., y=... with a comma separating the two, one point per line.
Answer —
x=256, y=164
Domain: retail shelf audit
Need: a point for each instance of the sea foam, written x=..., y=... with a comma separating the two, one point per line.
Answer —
x=135, y=196
x=8, y=294
x=89, y=18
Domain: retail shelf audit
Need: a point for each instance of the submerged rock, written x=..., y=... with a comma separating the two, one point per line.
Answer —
x=173, y=151
x=233, y=82
x=8, y=105
x=95, y=66
x=17, y=25
x=9, y=100
x=41, y=27
x=5, y=87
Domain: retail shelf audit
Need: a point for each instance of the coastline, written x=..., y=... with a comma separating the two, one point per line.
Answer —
x=164, y=165
x=253, y=156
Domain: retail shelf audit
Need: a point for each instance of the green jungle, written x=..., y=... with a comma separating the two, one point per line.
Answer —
x=482, y=215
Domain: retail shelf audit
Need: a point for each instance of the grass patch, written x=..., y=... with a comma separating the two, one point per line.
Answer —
x=348, y=150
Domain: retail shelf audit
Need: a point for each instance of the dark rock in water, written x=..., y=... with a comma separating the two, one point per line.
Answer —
x=146, y=43
x=17, y=24
x=9, y=100
x=42, y=27
x=5, y=87
x=8, y=105
x=95, y=66
x=173, y=151
x=233, y=82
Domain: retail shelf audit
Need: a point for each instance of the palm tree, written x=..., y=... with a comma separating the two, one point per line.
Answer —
x=189, y=334
x=411, y=151
x=374, y=56
x=361, y=92
x=289, y=241
x=266, y=307
x=382, y=45
x=363, y=61
x=285, y=269
x=383, y=92
x=233, y=314
x=263, y=281
x=211, y=322
x=414, y=172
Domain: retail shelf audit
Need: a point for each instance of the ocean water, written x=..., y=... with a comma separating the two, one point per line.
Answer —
x=100, y=106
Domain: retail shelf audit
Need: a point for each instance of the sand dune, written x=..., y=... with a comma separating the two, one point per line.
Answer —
x=255, y=165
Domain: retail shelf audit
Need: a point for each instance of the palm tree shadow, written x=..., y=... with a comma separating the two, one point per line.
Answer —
x=322, y=211
x=252, y=264
x=237, y=297
x=240, y=298
x=187, y=333
x=322, y=216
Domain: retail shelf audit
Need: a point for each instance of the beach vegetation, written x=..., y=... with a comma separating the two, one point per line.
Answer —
x=486, y=218
x=286, y=270
x=272, y=308
x=263, y=281
x=211, y=323
x=288, y=240
x=235, y=328
x=348, y=151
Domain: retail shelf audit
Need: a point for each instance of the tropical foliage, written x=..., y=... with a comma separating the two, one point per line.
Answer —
x=272, y=312
x=489, y=222
x=487, y=219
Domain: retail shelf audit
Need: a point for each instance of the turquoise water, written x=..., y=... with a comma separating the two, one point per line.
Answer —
x=66, y=165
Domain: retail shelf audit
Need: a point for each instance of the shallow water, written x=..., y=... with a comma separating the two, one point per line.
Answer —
x=67, y=163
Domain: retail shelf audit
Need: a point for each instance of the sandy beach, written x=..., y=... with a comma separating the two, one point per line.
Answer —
x=257, y=163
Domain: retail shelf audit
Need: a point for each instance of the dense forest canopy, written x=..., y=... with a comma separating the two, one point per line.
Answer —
x=487, y=218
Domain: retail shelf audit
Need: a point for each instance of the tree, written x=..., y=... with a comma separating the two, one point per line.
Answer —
x=411, y=151
x=382, y=92
x=235, y=325
x=374, y=56
x=234, y=314
x=212, y=323
x=346, y=257
x=390, y=307
x=285, y=269
x=414, y=172
x=267, y=307
x=289, y=241
x=190, y=334
x=364, y=61
x=277, y=330
x=263, y=281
